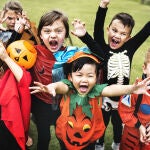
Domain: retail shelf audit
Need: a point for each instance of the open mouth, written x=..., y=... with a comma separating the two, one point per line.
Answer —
x=114, y=42
x=83, y=88
x=53, y=43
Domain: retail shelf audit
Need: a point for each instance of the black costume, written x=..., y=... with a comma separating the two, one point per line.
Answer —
x=116, y=69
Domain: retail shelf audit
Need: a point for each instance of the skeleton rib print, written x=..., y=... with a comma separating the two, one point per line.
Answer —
x=118, y=66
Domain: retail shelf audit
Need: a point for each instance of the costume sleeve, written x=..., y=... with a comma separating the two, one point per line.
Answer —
x=14, y=37
x=126, y=111
x=92, y=45
x=99, y=25
x=136, y=41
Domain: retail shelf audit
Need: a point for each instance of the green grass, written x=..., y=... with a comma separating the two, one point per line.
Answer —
x=86, y=10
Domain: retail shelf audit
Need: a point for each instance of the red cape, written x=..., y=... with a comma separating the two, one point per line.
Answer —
x=15, y=104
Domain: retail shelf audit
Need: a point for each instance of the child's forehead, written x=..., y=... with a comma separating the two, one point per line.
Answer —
x=119, y=25
x=90, y=68
x=56, y=24
x=10, y=13
x=148, y=63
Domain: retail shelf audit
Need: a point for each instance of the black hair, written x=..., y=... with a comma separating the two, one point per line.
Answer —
x=78, y=64
x=125, y=18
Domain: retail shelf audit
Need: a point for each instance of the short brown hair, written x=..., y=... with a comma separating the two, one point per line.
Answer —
x=13, y=5
x=50, y=17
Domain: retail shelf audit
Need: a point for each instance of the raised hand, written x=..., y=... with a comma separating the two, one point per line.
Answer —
x=22, y=23
x=104, y=3
x=28, y=23
x=79, y=28
x=142, y=87
x=2, y=20
x=3, y=53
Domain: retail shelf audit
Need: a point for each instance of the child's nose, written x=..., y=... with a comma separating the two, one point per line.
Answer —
x=53, y=34
x=84, y=79
x=118, y=35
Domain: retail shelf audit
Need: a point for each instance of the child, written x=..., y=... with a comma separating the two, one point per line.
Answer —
x=118, y=55
x=135, y=114
x=81, y=117
x=15, y=25
x=15, y=102
x=53, y=29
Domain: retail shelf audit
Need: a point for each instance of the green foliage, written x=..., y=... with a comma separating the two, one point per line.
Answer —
x=86, y=10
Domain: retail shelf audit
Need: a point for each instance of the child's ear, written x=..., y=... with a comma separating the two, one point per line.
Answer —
x=69, y=77
x=107, y=29
x=144, y=69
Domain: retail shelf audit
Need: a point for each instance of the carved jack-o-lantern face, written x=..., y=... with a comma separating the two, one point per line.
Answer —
x=23, y=53
x=78, y=127
x=78, y=131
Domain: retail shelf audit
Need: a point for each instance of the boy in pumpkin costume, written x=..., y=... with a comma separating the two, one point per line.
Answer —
x=81, y=123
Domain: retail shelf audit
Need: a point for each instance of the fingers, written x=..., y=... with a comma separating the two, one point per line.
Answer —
x=39, y=87
x=22, y=22
x=79, y=28
x=77, y=21
x=53, y=93
x=34, y=91
x=2, y=20
x=3, y=53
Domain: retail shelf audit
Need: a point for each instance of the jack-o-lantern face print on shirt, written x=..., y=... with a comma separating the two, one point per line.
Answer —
x=77, y=131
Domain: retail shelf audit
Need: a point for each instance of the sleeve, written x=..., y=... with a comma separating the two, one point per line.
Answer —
x=93, y=45
x=99, y=25
x=126, y=111
x=97, y=90
x=68, y=83
x=14, y=37
x=136, y=41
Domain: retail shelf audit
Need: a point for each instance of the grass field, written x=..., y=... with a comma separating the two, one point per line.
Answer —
x=86, y=10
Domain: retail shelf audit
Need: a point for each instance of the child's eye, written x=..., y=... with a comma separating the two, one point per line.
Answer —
x=90, y=76
x=79, y=75
x=114, y=30
x=59, y=31
x=123, y=34
x=47, y=31
x=9, y=18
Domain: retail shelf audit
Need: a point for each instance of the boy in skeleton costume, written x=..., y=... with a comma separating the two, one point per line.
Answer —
x=118, y=55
